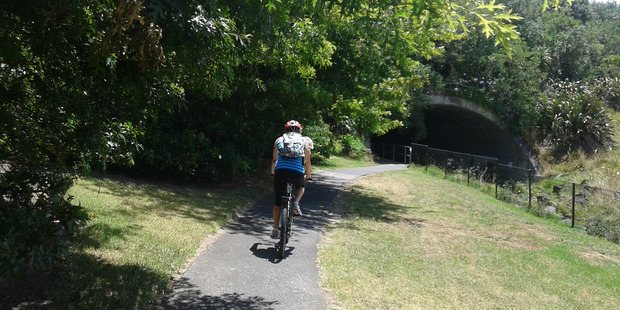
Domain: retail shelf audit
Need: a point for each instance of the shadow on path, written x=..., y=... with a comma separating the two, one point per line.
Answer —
x=241, y=270
x=192, y=297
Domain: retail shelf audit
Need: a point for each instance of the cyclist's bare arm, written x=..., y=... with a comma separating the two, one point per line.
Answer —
x=308, y=165
x=274, y=159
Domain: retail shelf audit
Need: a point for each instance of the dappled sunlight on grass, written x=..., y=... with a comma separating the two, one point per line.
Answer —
x=131, y=221
x=139, y=236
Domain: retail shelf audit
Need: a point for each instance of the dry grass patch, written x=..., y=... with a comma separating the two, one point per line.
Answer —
x=599, y=259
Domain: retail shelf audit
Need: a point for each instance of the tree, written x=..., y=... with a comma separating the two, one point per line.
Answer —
x=90, y=83
x=76, y=78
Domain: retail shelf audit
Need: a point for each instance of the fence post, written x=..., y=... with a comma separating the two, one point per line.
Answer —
x=409, y=157
x=495, y=178
x=383, y=150
x=445, y=164
x=572, y=224
x=468, y=166
x=529, y=181
x=426, y=158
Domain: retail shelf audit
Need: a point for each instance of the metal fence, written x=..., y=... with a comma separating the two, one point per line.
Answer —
x=395, y=152
x=479, y=167
x=596, y=210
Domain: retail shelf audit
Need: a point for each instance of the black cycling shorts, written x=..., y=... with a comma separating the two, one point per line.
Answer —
x=279, y=183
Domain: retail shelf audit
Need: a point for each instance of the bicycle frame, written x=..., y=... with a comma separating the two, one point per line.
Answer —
x=286, y=218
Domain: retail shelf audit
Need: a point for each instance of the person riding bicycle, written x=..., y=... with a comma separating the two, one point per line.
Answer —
x=291, y=160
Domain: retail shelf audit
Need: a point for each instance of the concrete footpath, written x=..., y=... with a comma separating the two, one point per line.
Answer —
x=240, y=270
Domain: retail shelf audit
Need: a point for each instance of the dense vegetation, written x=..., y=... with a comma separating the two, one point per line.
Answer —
x=196, y=90
x=556, y=89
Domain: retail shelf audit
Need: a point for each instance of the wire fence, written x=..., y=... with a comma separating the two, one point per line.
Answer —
x=593, y=209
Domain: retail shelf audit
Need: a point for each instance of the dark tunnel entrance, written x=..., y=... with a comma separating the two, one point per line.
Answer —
x=460, y=130
x=457, y=128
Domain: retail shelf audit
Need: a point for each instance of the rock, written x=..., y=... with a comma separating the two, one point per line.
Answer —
x=580, y=198
x=550, y=210
x=543, y=198
x=557, y=188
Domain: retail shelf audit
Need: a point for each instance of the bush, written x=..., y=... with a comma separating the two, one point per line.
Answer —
x=574, y=118
x=353, y=146
x=37, y=220
x=609, y=90
x=325, y=145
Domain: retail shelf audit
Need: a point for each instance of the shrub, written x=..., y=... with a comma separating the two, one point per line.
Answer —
x=324, y=143
x=353, y=146
x=37, y=220
x=574, y=118
x=609, y=90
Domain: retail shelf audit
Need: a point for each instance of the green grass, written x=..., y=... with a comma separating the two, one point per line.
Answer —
x=138, y=238
x=409, y=240
x=337, y=162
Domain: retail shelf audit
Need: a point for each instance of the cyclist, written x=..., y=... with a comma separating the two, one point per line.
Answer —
x=287, y=164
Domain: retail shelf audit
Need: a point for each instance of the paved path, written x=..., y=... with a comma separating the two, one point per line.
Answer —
x=240, y=270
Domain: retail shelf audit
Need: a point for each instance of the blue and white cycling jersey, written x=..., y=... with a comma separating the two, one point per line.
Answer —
x=295, y=164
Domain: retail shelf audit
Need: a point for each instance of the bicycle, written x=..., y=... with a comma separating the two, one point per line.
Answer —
x=286, y=218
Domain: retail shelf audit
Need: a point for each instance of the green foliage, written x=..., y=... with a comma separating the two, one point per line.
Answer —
x=509, y=87
x=325, y=145
x=513, y=85
x=571, y=42
x=199, y=90
x=609, y=90
x=76, y=78
x=574, y=118
x=353, y=146
x=609, y=67
x=36, y=219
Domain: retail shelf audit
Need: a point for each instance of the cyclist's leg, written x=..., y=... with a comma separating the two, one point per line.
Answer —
x=299, y=192
x=279, y=188
x=299, y=182
x=276, y=215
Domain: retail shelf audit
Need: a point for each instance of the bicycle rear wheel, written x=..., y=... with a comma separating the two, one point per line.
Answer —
x=283, y=230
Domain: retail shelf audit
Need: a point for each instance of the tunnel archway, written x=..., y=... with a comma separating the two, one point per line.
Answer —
x=458, y=125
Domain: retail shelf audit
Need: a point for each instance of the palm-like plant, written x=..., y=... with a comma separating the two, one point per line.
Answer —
x=574, y=118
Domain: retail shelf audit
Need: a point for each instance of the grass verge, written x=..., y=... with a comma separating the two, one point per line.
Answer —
x=408, y=240
x=337, y=162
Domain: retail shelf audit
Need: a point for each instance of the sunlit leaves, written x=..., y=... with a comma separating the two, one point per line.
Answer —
x=554, y=4
x=492, y=19
x=303, y=47
x=134, y=36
